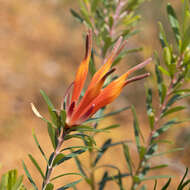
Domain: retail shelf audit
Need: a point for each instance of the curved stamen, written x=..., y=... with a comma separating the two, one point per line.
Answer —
x=139, y=77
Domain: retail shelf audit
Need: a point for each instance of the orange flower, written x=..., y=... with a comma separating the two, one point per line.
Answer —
x=96, y=96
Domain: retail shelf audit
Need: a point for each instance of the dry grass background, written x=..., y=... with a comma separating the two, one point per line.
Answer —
x=40, y=48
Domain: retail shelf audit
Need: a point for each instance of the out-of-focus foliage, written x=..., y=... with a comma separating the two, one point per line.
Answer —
x=11, y=181
x=171, y=76
x=109, y=20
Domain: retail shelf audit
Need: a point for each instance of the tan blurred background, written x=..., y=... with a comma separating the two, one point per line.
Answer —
x=41, y=46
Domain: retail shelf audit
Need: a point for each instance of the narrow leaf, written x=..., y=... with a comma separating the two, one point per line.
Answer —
x=127, y=158
x=103, y=181
x=76, y=15
x=29, y=176
x=166, y=185
x=136, y=129
x=70, y=185
x=36, y=165
x=39, y=147
x=102, y=151
x=49, y=186
x=174, y=22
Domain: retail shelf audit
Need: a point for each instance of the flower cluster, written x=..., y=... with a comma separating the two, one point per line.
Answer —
x=96, y=96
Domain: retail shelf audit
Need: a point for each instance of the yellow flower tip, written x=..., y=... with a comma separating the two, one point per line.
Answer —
x=35, y=111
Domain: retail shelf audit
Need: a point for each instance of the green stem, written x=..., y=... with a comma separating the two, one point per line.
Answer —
x=157, y=121
x=92, y=177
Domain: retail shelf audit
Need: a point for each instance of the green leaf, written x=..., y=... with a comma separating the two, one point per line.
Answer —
x=111, y=178
x=167, y=57
x=63, y=117
x=102, y=151
x=111, y=127
x=51, y=132
x=155, y=184
x=85, y=14
x=161, y=85
x=163, y=128
x=120, y=184
x=39, y=147
x=79, y=166
x=83, y=128
x=149, y=108
x=185, y=40
x=186, y=15
x=164, y=71
x=103, y=181
x=128, y=158
x=182, y=180
x=29, y=176
x=159, y=166
x=166, y=185
x=62, y=158
x=76, y=15
x=49, y=186
x=11, y=181
x=172, y=100
x=174, y=22
x=52, y=111
x=173, y=110
x=151, y=151
x=36, y=165
x=136, y=129
x=18, y=183
x=73, y=147
x=109, y=114
x=47, y=100
x=70, y=185
x=94, y=5
x=54, y=178
x=92, y=67
x=162, y=36
x=82, y=136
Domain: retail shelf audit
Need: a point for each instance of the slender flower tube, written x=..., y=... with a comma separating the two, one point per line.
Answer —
x=96, y=96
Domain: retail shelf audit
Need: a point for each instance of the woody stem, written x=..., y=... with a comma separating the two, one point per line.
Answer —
x=50, y=166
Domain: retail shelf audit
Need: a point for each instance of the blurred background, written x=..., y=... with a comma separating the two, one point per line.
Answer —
x=41, y=45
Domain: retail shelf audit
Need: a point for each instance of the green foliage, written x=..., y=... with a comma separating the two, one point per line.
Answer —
x=109, y=20
x=11, y=181
x=171, y=76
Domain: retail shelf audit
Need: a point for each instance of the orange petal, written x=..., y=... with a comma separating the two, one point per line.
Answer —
x=89, y=96
x=82, y=70
x=107, y=65
x=109, y=94
x=113, y=90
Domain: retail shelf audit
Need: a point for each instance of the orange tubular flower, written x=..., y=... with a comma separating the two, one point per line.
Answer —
x=96, y=96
